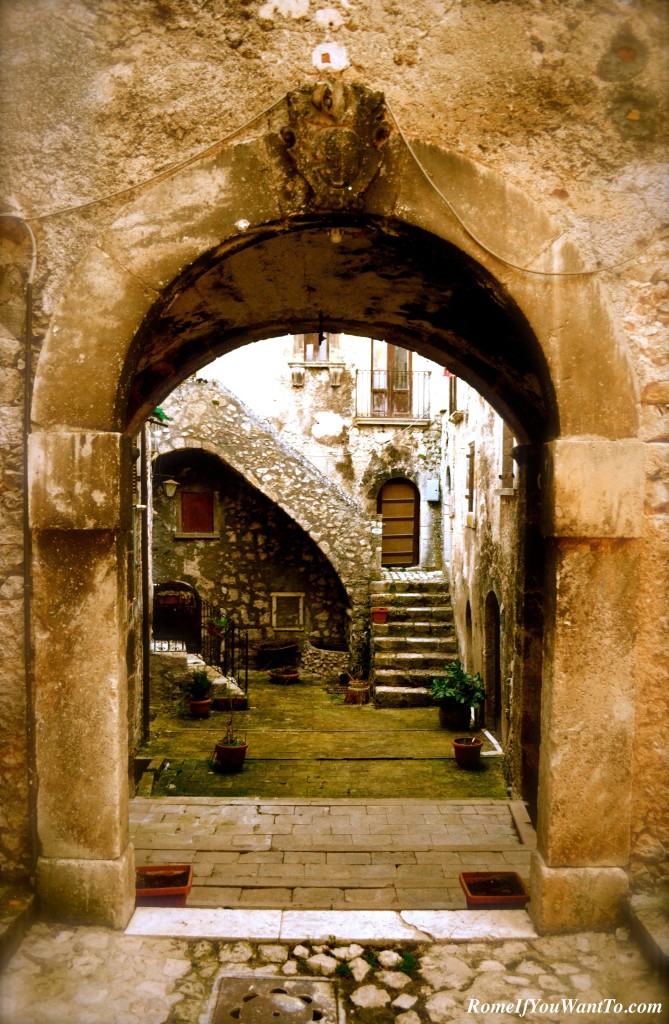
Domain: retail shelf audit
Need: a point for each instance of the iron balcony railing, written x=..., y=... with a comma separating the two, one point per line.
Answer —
x=392, y=394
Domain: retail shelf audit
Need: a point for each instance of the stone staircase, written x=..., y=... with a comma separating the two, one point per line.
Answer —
x=417, y=640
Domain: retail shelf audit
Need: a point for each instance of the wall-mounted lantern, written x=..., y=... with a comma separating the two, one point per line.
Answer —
x=170, y=487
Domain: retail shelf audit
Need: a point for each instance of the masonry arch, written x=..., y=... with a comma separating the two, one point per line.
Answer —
x=227, y=251
x=247, y=519
x=257, y=453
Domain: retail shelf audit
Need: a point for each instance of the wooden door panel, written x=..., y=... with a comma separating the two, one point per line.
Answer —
x=398, y=504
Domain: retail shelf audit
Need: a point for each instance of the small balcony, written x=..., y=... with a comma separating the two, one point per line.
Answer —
x=394, y=396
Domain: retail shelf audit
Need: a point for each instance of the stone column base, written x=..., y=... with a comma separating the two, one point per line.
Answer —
x=572, y=899
x=88, y=891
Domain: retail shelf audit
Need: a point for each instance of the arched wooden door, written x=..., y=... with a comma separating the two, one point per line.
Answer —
x=398, y=504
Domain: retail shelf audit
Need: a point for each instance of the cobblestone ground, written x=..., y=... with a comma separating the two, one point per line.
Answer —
x=305, y=742
x=93, y=976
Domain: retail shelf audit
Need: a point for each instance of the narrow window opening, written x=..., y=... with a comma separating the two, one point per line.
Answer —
x=288, y=611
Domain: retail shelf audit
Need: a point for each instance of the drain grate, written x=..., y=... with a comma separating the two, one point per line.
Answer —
x=275, y=1001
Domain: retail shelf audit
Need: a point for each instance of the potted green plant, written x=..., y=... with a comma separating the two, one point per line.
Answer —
x=230, y=750
x=197, y=694
x=456, y=692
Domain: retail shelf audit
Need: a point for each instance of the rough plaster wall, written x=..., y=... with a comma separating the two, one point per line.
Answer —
x=561, y=97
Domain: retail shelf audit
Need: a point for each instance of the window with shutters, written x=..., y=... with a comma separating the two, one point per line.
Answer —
x=469, y=493
x=316, y=348
x=197, y=514
x=452, y=394
x=506, y=475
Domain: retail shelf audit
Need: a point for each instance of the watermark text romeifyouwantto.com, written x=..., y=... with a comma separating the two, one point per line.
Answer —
x=564, y=1005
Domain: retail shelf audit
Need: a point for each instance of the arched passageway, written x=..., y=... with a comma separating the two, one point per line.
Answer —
x=238, y=248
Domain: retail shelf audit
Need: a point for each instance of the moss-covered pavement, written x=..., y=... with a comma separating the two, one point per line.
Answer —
x=306, y=742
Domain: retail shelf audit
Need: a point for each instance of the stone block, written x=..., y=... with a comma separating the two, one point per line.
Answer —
x=81, y=695
x=87, y=346
x=570, y=899
x=585, y=774
x=593, y=488
x=98, y=892
x=76, y=481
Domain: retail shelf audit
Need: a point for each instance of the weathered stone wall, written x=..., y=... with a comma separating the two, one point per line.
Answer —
x=258, y=550
x=564, y=99
x=14, y=856
x=486, y=556
x=208, y=417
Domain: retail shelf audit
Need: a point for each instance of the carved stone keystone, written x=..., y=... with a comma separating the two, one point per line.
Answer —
x=335, y=136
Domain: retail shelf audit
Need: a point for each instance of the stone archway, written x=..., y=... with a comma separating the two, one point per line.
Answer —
x=335, y=524
x=174, y=281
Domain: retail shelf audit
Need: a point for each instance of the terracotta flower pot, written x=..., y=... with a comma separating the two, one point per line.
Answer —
x=379, y=615
x=284, y=676
x=200, y=708
x=454, y=716
x=230, y=758
x=493, y=889
x=163, y=885
x=467, y=750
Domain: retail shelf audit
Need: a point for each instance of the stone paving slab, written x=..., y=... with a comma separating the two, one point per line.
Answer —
x=320, y=926
x=379, y=967
x=376, y=854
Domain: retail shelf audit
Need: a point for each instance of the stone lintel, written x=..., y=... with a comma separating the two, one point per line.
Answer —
x=593, y=488
x=76, y=480
x=572, y=899
x=100, y=892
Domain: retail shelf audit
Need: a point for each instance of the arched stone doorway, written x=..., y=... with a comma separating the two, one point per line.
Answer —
x=236, y=248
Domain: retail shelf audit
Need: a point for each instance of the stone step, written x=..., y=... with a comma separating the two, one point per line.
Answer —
x=410, y=597
x=411, y=613
x=18, y=910
x=402, y=696
x=418, y=586
x=648, y=914
x=401, y=661
x=414, y=627
x=437, y=646
x=404, y=677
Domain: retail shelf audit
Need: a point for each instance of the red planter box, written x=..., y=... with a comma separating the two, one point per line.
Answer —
x=163, y=885
x=493, y=889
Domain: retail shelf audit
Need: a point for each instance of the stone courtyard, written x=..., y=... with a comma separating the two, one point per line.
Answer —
x=337, y=807
x=304, y=741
